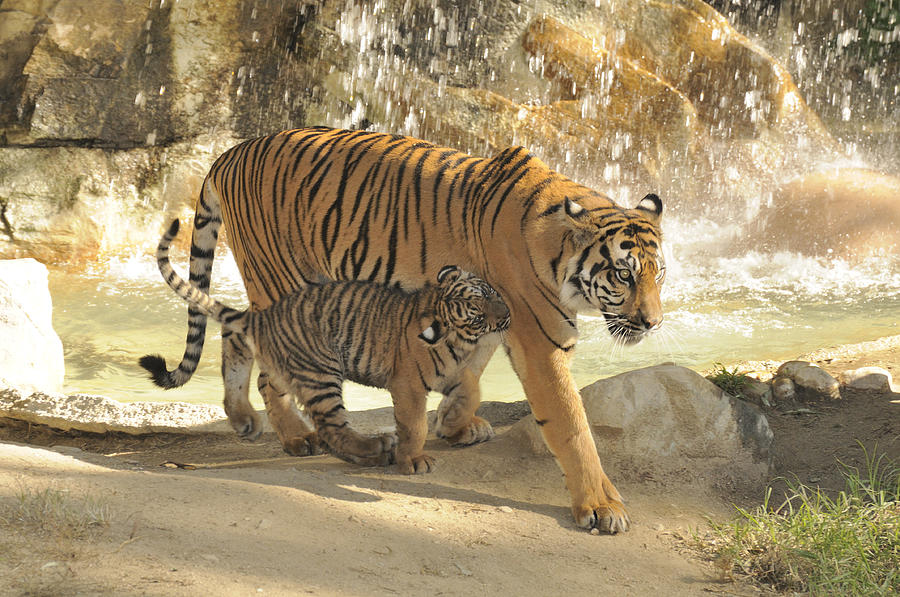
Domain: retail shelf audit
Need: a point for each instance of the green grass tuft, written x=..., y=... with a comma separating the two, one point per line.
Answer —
x=848, y=544
x=732, y=382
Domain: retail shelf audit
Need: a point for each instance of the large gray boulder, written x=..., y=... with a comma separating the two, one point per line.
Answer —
x=668, y=421
x=31, y=354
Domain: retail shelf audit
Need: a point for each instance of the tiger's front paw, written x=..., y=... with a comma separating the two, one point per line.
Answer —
x=247, y=425
x=477, y=430
x=608, y=518
x=302, y=445
x=415, y=465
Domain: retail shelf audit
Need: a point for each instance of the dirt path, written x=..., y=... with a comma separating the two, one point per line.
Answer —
x=243, y=518
x=488, y=521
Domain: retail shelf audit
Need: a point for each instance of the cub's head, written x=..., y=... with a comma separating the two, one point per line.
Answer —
x=467, y=305
x=617, y=266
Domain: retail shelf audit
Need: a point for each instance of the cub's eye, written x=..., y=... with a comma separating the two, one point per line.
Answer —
x=624, y=275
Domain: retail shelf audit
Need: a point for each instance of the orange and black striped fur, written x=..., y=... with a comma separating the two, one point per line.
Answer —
x=316, y=204
x=311, y=340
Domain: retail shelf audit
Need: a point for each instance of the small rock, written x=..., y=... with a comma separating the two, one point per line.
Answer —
x=463, y=570
x=758, y=392
x=505, y=509
x=874, y=379
x=811, y=382
x=783, y=389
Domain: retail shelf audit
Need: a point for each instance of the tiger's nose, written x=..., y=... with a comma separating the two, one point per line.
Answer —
x=651, y=321
x=497, y=312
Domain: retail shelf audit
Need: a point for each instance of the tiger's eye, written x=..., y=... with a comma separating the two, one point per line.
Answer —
x=623, y=275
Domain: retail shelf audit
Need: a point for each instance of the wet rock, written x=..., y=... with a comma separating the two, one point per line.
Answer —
x=666, y=420
x=98, y=414
x=811, y=382
x=17, y=40
x=876, y=379
x=661, y=128
x=31, y=354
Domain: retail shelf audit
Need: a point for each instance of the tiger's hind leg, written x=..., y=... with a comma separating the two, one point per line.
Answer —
x=296, y=437
x=456, y=419
x=324, y=404
x=237, y=361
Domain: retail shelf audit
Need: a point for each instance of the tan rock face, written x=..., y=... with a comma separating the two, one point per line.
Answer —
x=629, y=97
x=847, y=212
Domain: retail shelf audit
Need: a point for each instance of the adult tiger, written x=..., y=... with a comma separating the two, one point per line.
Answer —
x=317, y=204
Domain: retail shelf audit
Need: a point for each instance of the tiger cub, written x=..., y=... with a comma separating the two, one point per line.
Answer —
x=313, y=339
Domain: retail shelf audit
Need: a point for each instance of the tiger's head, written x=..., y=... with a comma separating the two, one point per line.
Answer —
x=467, y=305
x=617, y=266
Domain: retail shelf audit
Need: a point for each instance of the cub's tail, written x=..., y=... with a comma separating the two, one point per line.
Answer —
x=202, y=304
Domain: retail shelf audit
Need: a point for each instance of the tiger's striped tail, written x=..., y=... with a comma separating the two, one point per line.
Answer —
x=202, y=304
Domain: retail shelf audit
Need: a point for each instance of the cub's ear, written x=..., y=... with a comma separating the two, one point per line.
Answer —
x=652, y=206
x=448, y=274
x=432, y=332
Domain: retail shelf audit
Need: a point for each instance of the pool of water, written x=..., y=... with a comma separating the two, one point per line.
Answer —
x=719, y=308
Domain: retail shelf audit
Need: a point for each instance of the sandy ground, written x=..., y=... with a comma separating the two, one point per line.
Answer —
x=212, y=515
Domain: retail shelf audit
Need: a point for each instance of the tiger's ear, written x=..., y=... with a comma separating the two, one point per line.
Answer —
x=578, y=219
x=574, y=210
x=432, y=332
x=652, y=207
x=448, y=274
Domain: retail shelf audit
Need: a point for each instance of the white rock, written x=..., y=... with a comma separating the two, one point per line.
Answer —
x=868, y=378
x=668, y=420
x=99, y=414
x=812, y=382
x=31, y=354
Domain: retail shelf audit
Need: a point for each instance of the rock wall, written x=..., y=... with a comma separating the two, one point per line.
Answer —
x=111, y=111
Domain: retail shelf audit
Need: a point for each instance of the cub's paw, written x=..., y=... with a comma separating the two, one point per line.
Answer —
x=248, y=426
x=416, y=465
x=302, y=445
x=376, y=450
x=610, y=518
x=475, y=431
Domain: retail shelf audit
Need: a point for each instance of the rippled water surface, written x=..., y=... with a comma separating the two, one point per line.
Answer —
x=718, y=309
